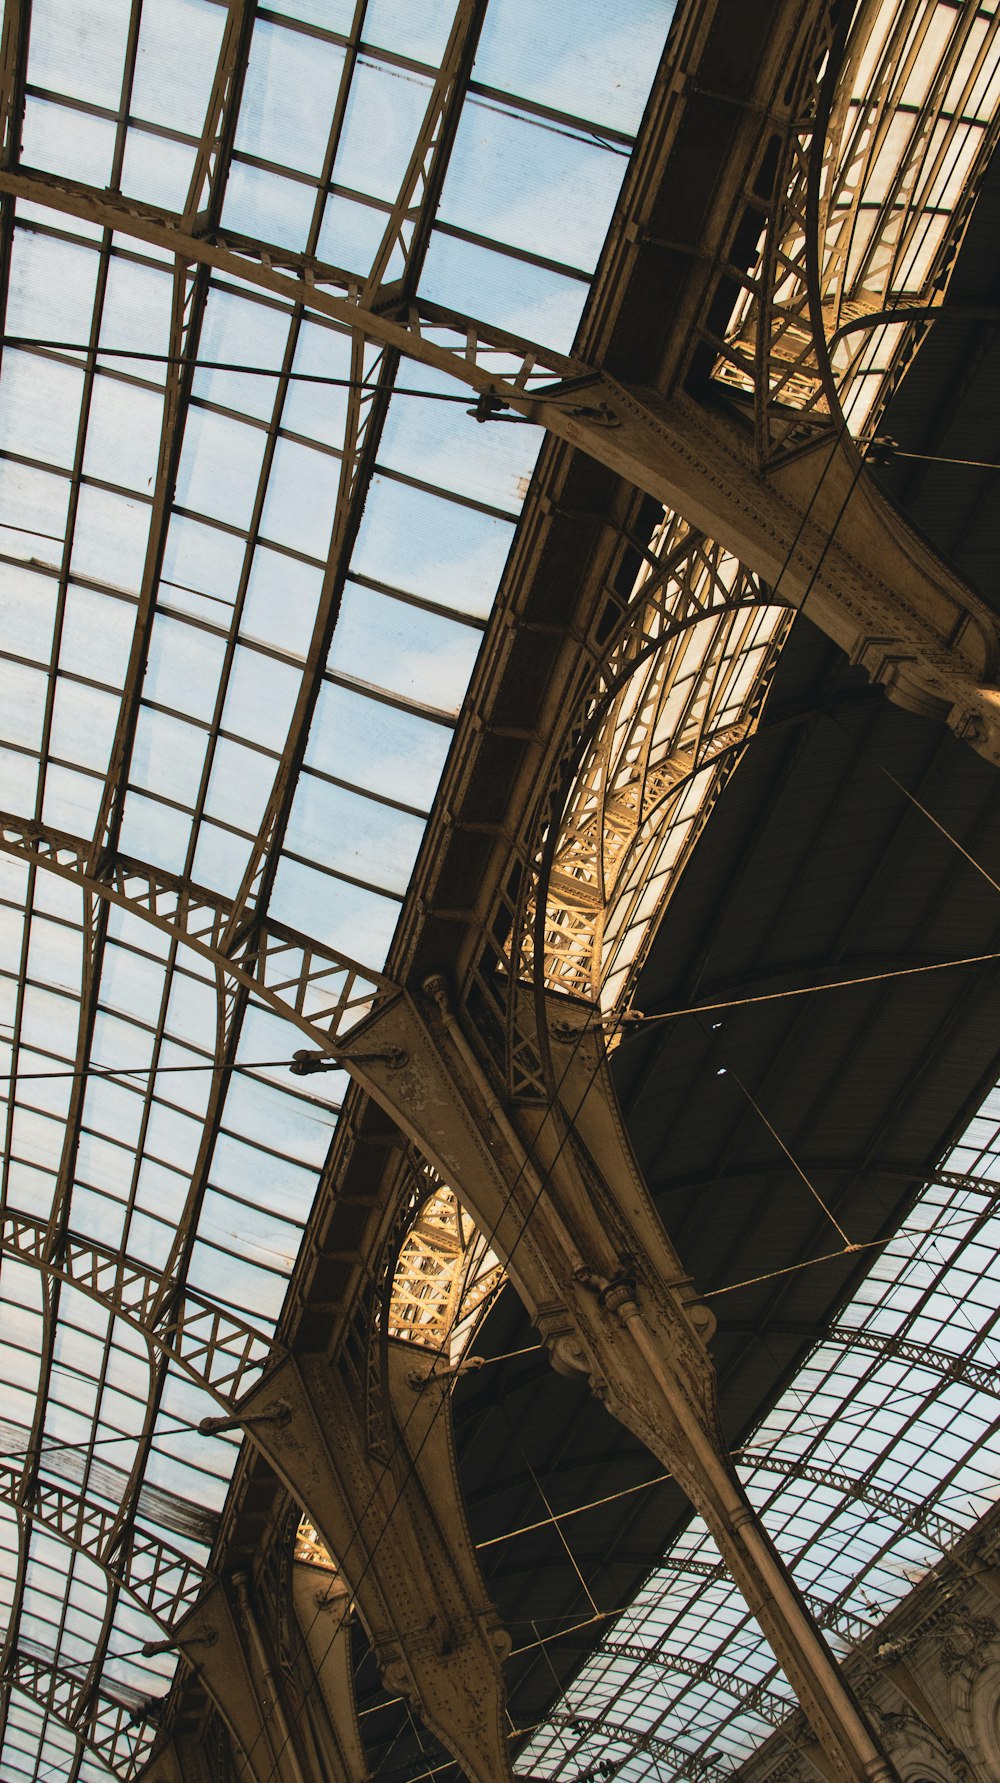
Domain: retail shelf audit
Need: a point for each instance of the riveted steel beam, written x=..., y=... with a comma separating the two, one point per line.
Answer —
x=320, y=1600
x=817, y=527
x=184, y=1759
x=594, y=1237
x=555, y=1186
x=396, y=1525
x=220, y=1641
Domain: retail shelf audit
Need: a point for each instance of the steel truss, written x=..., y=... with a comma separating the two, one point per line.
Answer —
x=444, y=1279
x=757, y=1699
x=406, y=239
x=896, y=1348
x=581, y=878
x=841, y=239
x=922, y=1519
x=162, y=1580
x=283, y=1395
x=213, y=1346
x=770, y=353
x=655, y=736
x=631, y=766
x=111, y=1731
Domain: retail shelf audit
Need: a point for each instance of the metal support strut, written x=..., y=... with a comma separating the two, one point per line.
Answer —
x=558, y=1190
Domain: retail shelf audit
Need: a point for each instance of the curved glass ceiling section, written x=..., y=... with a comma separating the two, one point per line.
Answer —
x=879, y=1456
x=244, y=577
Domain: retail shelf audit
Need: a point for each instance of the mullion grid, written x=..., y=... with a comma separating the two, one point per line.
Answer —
x=78, y=467
x=476, y=93
x=204, y=781
x=107, y=1628
x=38, y=1749
x=100, y=1647
x=719, y=1600
x=352, y=493
x=71, y=1381
x=90, y=373
x=272, y=430
x=366, y=885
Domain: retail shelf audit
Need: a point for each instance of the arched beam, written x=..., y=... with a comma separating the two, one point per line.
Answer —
x=186, y=1758
x=321, y=1610
x=894, y=1348
x=921, y=1519
x=108, y=1727
x=878, y=590
x=162, y=1580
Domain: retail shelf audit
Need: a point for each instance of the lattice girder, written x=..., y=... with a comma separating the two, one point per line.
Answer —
x=444, y=1276
x=213, y=1346
x=322, y=991
x=161, y=1579
x=657, y=716
x=843, y=238
x=923, y=1519
x=107, y=1728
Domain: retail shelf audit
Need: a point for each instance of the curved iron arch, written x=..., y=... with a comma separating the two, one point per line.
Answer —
x=627, y=640
x=724, y=760
x=74, y=1519
x=27, y=1675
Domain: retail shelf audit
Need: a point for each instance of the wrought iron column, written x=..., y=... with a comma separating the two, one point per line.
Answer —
x=557, y=1188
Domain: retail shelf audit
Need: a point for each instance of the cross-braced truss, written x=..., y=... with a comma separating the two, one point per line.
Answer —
x=445, y=1277
x=681, y=692
x=249, y=577
x=876, y=179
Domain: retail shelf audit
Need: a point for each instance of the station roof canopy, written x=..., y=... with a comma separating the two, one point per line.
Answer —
x=258, y=566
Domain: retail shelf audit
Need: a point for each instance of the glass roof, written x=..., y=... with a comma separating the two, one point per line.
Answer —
x=881, y=1453
x=240, y=602
x=246, y=564
x=875, y=1459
